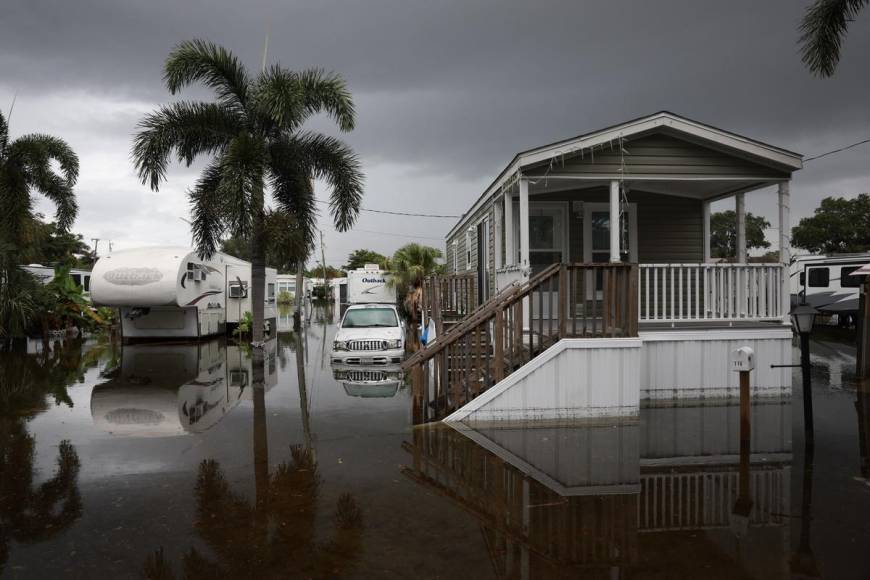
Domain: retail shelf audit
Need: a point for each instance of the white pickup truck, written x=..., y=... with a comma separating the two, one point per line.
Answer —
x=369, y=334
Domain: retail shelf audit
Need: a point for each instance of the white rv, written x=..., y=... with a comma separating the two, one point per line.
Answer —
x=826, y=281
x=45, y=274
x=369, y=285
x=170, y=292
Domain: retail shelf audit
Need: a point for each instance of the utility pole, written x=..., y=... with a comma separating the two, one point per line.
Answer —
x=96, y=246
x=323, y=258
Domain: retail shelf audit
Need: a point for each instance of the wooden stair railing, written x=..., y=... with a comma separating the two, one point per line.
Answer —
x=512, y=328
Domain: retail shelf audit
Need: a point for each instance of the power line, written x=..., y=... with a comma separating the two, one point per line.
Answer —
x=428, y=215
x=412, y=236
x=814, y=157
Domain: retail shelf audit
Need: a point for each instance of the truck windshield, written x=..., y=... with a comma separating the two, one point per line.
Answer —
x=369, y=318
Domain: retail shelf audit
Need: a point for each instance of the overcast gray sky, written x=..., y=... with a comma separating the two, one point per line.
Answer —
x=447, y=91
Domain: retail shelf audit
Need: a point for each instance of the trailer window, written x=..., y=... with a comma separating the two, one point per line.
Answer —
x=77, y=279
x=819, y=277
x=803, y=279
x=849, y=281
x=270, y=292
x=87, y=283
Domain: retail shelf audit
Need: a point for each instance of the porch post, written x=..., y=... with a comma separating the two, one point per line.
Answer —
x=784, y=202
x=740, y=200
x=524, y=223
x=496, y=234
x=615, y=226
x=706, y=233
x=509, y=254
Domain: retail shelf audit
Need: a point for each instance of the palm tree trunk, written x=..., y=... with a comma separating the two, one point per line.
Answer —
x=300, y=283
x=258, y=268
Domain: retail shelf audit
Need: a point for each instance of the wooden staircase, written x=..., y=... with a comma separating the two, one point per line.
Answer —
x=474, y=351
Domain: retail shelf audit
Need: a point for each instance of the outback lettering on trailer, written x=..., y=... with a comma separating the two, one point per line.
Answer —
x=374, y=280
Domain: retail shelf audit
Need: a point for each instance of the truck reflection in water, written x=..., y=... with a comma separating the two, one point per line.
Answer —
x=369, y=382
x=161, y=390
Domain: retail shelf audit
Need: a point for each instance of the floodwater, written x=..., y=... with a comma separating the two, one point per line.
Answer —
x=167, y=461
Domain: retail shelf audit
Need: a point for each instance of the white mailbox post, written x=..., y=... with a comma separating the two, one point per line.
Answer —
x=743, y=362
x=742, y=359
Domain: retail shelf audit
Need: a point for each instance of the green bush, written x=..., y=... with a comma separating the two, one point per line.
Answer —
x=285, y=297
x=245, y=325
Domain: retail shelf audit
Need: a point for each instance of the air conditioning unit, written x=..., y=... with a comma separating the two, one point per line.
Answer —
x=238, y=291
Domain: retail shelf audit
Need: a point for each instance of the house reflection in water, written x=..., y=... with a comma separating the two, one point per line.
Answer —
x=652, y=498
x=160, y=390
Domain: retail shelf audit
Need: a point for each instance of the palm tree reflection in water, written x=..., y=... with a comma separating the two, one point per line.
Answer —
x=276, y=536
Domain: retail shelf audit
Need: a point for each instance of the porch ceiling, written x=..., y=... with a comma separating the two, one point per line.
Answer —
x=701, y=189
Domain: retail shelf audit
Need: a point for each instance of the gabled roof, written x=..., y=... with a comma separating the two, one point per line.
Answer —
x=662, y=121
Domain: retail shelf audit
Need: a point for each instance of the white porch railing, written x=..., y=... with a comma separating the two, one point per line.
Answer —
x=712, y=292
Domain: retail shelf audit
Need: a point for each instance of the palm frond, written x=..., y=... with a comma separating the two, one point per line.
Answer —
x=31, y=155
x=823, y=28
x=294, y=194
x=278, y=99
x=187, y=128
x=329, y=159
x=201, y=61
x=37, y=150
x=4, y=134
x=328, y=93
x=207, y=210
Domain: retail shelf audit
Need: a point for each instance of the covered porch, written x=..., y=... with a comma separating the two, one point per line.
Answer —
x=657, y=178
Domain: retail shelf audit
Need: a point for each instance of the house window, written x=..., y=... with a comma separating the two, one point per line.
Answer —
x=547, y=235
x=469, y=237
x=819, y=277
x=847, y=280
x=270, y=292
x=455, y=255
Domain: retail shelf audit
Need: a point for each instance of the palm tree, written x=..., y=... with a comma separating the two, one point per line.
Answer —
x=823, y=28
x=253, y=133
x=411, y=264
x=26, y=169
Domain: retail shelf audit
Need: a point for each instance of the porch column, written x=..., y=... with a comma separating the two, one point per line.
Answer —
x=498, y=246
x=509, y=254
x=524, y=223
x=614, y=221
x=784, y=202
x=740, y=208
x=706, y=233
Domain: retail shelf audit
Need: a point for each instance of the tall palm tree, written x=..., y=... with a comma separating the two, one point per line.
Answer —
x=410, y=265
x=253, y=133
x=823, y=28
x=26, y=169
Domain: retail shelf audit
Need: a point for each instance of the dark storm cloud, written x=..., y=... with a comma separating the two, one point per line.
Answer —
x=455, y=88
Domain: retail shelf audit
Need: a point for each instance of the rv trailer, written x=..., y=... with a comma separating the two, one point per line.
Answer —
x=170, y=292
x=826, y=283
x=369, y=285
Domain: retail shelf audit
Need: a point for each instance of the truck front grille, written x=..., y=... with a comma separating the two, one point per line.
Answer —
x=366, y=345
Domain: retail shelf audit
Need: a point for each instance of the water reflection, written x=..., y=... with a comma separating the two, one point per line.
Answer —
x=32, y=512
x=369, y=381
x=159, y=390
x=623, y=499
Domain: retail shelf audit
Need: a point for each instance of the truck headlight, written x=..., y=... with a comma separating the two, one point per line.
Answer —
x=395, y=343
x=338, y=345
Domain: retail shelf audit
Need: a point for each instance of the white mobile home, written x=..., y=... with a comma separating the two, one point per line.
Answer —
x=170, y=292
x=591, y=267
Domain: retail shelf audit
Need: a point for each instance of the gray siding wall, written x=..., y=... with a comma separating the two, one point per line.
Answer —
x=660, y=154
x=465, y=243
x=669, y=229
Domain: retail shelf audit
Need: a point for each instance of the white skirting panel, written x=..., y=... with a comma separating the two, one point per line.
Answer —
x=574, y=379
x=694, y=364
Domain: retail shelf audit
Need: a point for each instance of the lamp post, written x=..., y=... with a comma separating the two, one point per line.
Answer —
x=802, y=319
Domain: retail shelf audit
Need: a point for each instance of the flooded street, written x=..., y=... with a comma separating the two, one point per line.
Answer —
x=163, y=461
